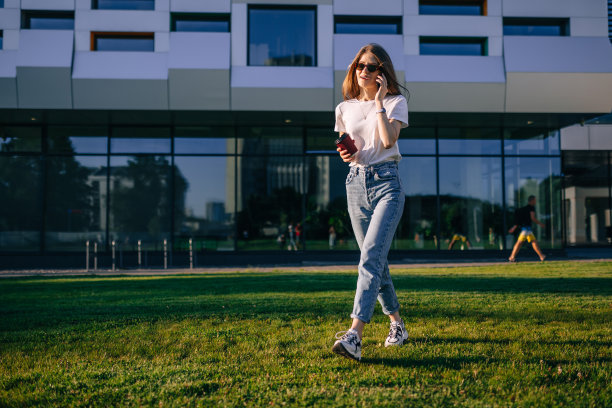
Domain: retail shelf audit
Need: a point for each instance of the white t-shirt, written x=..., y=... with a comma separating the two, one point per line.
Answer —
x=358, y=119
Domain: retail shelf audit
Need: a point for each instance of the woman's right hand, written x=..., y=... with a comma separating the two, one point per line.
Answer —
x=345, y=155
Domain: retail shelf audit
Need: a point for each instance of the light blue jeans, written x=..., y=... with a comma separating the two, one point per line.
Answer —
x=375, y=204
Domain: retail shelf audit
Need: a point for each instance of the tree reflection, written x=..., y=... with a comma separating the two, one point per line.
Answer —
x=140, y=196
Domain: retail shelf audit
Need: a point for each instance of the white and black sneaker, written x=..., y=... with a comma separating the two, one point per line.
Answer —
x=348, y=344
x=397, y=334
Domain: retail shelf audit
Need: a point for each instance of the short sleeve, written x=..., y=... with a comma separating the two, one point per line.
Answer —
x=339, y=121
x=397, y=109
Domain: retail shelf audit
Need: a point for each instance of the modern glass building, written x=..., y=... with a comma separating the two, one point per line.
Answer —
x=149, y=121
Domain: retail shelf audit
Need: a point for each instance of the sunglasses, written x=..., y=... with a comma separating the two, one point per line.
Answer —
x=371, y=67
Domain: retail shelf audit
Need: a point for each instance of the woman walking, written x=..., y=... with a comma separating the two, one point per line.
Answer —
x=372, y=114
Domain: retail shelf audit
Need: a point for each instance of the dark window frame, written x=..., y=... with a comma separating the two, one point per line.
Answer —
x=212, y=17
x=119, y=34
x=95, y=5
x=282, y=7
x=1, y=39
x=483, y=41
x=562, y=23
x=480, y=3
x=366, y=20
x=27, y=15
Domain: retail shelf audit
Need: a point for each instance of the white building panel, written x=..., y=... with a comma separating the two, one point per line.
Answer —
x=162, y=5
x=161, y=42
x=239, y=35
x=588, y=27
x=575, y=137
x=325, y=31
x=447, y=68
x=45, y=48
x=8, y=92
x=411, y=7
x=208, y=6
x=82, y=4
x=282, y=77
x=8, y=64
x=554, y=8
x=453, y=26
x=600, y=137
x=557, y=54
x=120, y=94
x=120, y=65
x=199, y=50
x=82, y=40
x=10, y=40
x=47, y=5
x=411, y=45
x=558, y=92
x=44, y=88
x=494, y=7
x=346, y=47
x=368, y=8
x=11, y=3
x=122, y=20
x=10, y=19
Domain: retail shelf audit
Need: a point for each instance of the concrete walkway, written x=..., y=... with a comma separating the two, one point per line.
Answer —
x=306, y=267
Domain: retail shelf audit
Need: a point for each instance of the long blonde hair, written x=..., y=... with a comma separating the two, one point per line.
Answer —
x=350, y=87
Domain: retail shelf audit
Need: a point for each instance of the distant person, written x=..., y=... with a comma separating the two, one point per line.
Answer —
x=332, y=237
x=372, y=115
x=524, y=217
x=459, y=237
x=291, y=233
x=299, y=234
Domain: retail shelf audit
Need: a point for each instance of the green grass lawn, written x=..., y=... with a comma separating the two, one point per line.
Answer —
x=508, y=335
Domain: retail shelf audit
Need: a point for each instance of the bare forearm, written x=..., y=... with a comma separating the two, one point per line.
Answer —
x=387, y=131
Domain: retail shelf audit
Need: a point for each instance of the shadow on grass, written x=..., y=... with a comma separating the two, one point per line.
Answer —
x=51, y=302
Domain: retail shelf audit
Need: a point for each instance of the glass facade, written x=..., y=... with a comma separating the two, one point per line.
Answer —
x=453, y=46
x=282, y=36
x=452, y=7
x=47, y=20
x=124, y=42
x=536, y=26
x=265, y=188
x=367, y=25
x=123, y=4
x=200, y=22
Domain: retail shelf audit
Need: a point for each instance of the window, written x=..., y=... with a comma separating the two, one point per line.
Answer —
x=453, y=7
x=123, y=4
x=200, y=22
x=47, y=20
x=122, y=41
x=282, y=36
x=367, y=25
x=536, y=26
x=1, y=3
x=610, y=20
x=1, y=39
x=453, y=46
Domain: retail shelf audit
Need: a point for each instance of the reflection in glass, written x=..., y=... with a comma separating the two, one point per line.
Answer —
x=282, y=36
x=450, y=7
x=124, y=4
x=531, y=141
x=327, y=220
x=367, y=25
x=124, y=42
x=64, y=139
x=204, y=205
x=140, y=140
x=415, y=140
x=536, y=26
x=587, y=198
x=264, y=140
x=540, y=177
x=20, y=211
x=201, y=22
x=471, y=203
x=204, y=140
x=140, y=195
x=20, y=139
x=269, y=201
x=321, y=140
x=453, y=46
x=469, y=141
x=76, y=202
x=417, y=228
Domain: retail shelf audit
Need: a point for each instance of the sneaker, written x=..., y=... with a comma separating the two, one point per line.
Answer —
x=397, y=334
x=348, y=344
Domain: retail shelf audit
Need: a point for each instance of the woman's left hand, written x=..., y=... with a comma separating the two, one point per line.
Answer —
x=382, y=87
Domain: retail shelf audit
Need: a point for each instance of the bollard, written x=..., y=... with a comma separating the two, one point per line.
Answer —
x=165, y=254
x=95, y=256
x=139, y=254
x=87, y=256
x=190, y=253
x=113, y=254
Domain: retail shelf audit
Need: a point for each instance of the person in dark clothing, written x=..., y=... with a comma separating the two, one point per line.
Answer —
x=524, y=217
